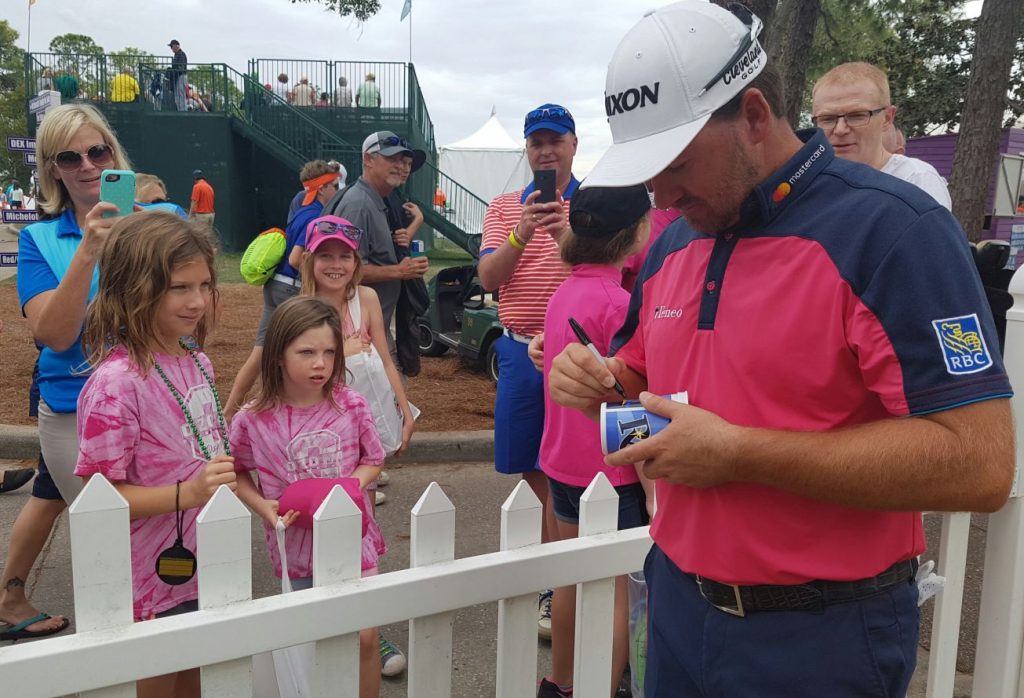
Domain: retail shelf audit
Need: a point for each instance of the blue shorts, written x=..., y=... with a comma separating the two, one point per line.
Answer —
x=632, y=503
x=861, y=648
x=518, y=409
x=43, y=486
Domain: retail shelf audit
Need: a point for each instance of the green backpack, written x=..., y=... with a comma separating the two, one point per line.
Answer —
x=262, y=256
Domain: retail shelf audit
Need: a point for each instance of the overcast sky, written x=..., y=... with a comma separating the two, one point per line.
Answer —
x=469, y=55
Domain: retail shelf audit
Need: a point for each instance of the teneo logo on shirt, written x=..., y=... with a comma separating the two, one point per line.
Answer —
x=630, y=99
x=963, y=345
x=663, y=311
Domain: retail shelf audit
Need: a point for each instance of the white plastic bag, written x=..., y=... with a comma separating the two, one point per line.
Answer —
x=366, y=375
x=293, y=665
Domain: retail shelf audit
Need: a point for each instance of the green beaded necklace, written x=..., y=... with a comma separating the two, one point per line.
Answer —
x=184, y=408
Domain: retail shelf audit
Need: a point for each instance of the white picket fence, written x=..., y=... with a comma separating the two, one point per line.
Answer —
x=109, y=652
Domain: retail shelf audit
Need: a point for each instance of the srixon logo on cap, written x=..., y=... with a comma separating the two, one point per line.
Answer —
x=633, y=98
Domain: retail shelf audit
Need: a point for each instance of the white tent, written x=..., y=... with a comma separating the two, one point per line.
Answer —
x=488, y=163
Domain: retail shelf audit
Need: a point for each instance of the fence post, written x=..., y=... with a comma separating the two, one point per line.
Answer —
x=337, y=557
x=430, y=637
x=1001, y=622
x=101, y=566
x=595, y=601
x=224, y=542
x=517, y=617
x=946, y=622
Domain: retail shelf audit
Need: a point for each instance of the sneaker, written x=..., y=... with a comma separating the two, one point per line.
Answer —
x=383, y=478
x=549, y=689
x=392, y=661
x=379, y=497
x=544, y=614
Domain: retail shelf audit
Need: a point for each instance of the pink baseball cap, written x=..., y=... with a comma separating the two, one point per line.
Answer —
x=326, y=228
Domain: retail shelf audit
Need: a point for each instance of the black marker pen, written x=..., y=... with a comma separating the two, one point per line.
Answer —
x=585, y=341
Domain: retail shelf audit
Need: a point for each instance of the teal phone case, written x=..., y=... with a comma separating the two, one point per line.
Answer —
x=118, y=187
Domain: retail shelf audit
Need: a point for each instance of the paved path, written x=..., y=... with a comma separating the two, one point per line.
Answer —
x=477, y=492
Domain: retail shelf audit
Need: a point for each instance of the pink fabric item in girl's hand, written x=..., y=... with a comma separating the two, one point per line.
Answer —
x=306, y=496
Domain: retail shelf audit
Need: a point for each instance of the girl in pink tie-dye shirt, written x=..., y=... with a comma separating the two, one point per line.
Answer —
x=149, y=419
x=304, y=423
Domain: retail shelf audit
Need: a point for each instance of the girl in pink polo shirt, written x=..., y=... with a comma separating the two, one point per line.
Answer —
x=149, y=418
x=608, y=225
x=305, y=423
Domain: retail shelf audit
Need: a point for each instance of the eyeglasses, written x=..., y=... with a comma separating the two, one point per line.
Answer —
x=99, y=155
x=389, y=142
x=753, y=23
x=331, y=228
x=853, y=119
x=545, y=114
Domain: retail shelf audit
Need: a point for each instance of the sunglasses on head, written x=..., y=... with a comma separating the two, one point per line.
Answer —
x=331, y=228
x=546, y=113
x=391, y=141
x=753, y=25
x=100, y=155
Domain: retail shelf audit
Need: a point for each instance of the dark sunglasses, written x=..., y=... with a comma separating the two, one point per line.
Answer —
x=391, y=141
x=100, y=155
x=753, y=23
x=545, y=114
x=331, y=228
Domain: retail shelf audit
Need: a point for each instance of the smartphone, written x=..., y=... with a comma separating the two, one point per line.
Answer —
x=118, y=187
x=544, y=182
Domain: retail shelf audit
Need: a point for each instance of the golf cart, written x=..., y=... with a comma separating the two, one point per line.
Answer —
x=460, y=318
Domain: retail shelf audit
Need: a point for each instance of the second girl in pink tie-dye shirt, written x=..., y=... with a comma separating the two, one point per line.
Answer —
x=304, y=423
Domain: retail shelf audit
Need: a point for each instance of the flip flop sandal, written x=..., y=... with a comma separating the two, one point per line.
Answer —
x=19, y=632
x=13, y=479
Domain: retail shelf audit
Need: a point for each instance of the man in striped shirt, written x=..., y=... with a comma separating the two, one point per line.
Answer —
x=519, y=256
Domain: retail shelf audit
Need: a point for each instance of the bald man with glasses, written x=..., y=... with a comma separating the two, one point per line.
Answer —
x=851, y=104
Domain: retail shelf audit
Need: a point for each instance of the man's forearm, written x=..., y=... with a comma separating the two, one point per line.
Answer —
x=495, y=268
x=373, y=274
x=958, y=460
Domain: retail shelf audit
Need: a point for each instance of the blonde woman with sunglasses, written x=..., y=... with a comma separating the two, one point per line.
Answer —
x=57, y=277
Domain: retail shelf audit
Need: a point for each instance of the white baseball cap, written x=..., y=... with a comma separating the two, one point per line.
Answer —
x=668, y=75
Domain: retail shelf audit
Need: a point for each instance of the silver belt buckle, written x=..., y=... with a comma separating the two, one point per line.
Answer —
x=737, y=611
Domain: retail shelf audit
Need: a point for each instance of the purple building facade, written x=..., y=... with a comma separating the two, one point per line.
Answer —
x=939, y=150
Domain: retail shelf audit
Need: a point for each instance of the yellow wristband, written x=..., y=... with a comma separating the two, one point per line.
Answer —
x=514, y=240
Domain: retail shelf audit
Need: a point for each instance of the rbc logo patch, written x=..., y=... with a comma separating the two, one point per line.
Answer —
x=963, y=345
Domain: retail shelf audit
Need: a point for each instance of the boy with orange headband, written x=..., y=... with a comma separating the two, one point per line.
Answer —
x=320, y=183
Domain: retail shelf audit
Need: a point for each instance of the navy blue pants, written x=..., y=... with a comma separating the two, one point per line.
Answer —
x=864, y=648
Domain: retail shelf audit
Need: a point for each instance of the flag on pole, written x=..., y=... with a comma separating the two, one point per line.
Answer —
x=406, y=9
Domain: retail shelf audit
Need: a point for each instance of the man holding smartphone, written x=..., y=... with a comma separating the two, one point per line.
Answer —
x=519, y=255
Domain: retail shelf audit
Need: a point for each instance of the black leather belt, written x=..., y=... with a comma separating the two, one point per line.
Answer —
x=810, y=596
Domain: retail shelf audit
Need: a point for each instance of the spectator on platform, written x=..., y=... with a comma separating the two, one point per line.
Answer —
x=304, y=94
x=368, y=94
x=67, y=84
x=281, y=89
x=178, y=75
x=343, y=95
x=124, y=87
x=45, y=81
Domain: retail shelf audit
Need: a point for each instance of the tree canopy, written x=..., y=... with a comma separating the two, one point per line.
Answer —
x=12, y=102
x=360, y=9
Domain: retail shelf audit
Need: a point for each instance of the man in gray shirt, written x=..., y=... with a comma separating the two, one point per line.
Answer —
x=387, y=162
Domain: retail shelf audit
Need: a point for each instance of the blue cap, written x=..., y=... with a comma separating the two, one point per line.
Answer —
x=552, y=117
x=196, y=174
